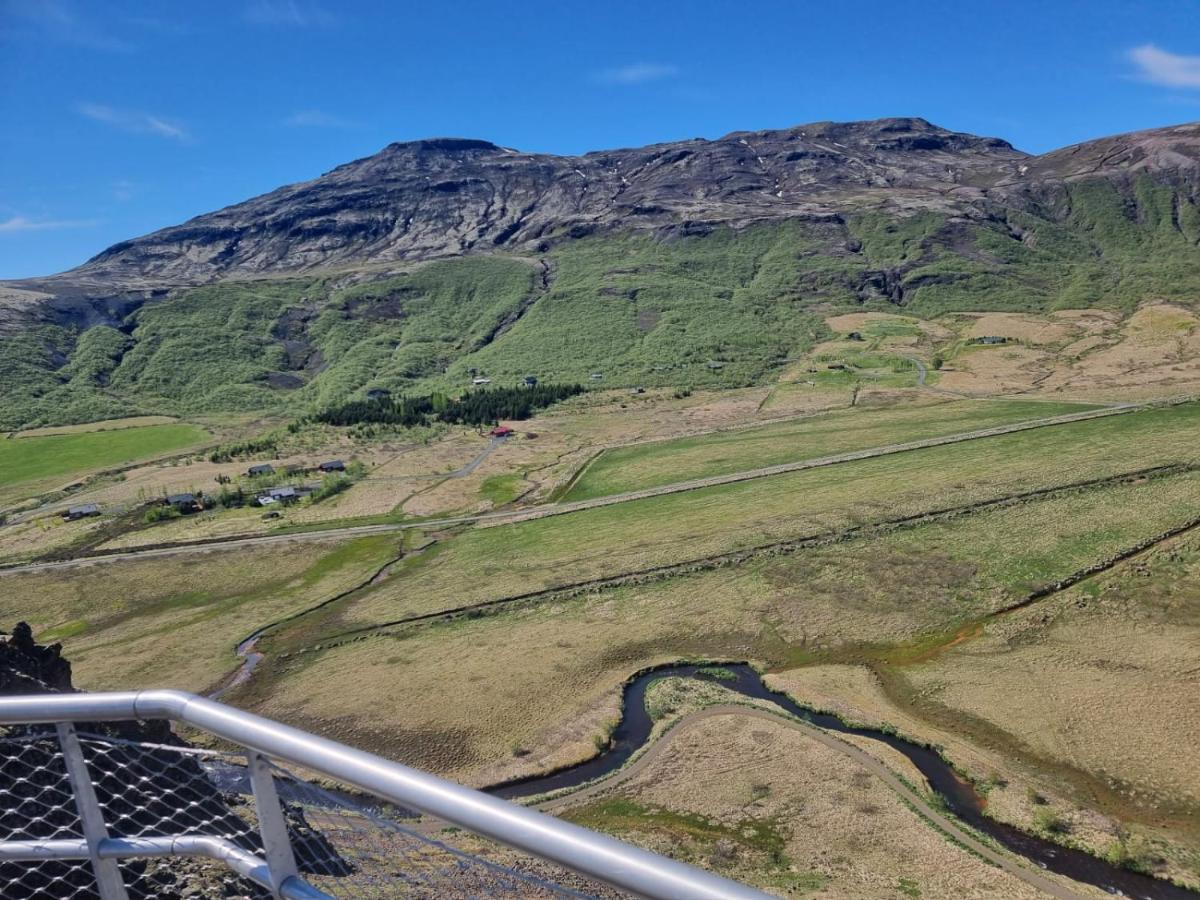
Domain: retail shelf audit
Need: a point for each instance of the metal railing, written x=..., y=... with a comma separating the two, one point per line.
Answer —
x=269, y=858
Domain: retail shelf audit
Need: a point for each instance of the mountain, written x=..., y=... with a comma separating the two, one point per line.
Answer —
x=431, y=257
x=450, y=196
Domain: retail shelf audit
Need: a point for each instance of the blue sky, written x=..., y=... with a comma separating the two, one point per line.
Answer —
x=122, y=117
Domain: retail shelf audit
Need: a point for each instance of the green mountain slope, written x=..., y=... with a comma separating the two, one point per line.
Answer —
x=696, y=303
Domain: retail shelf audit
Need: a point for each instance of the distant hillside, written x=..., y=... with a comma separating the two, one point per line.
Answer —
x=431, y=258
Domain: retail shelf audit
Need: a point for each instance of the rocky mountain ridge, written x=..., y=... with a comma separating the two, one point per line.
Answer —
x=451, y=196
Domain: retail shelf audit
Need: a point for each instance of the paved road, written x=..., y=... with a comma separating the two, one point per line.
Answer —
x=941, y=820
x=555, y=509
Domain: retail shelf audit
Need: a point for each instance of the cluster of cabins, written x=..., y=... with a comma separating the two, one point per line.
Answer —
x=188, y=502
x=289, y=493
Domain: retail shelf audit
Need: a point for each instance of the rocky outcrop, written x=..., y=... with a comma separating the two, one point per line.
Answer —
x=446, y=196
x=26, y=667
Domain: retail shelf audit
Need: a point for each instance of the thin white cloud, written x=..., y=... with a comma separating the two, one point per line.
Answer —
x=292, y=13
x=637, y=73
x=14, y=224
x=314, y=118
x=60, y=21
x=134, y=121
x=124, y=190
x=1159, y=66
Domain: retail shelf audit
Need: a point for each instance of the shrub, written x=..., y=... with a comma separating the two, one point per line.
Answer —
x=1046, y=819
x=330, y=485
x=160, y=514
x=240, y=449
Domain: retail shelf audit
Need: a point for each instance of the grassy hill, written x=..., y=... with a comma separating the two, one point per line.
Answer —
x=723, y=307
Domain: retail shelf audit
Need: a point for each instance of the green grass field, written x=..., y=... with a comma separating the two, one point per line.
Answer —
x=683, y=459
x=505, y=560
x=28, y=460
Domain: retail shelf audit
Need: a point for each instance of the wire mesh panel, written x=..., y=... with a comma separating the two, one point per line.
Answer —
x=144, y=789
x=36, y=802
x=148, y=789
x=351, y=850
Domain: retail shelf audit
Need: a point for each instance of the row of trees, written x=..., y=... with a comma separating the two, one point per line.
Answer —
x=485, y=406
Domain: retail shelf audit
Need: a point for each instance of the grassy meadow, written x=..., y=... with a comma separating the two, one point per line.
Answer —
x=650, y=464
x=485, y=563
x=850, y=600
x=827, y=828
x=1074, y=714
x=175, y=622
x=32, y=463
x=1116, y=731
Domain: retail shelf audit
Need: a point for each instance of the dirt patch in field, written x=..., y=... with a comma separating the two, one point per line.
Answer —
x=1033, y=330
x=1157, y=342
x=1004, y=369
x=764, y=802
x=863, y=322
x=30, y=539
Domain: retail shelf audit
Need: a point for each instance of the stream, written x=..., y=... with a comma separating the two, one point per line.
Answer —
x=958, y=795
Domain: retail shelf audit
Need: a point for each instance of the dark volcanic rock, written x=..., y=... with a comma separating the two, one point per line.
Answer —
x=29, y=668
x=450, y=196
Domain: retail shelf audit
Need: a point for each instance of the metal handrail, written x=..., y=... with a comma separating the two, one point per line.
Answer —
x=587, y=852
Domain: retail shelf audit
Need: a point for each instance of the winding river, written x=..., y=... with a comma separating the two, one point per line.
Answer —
x=959, y=795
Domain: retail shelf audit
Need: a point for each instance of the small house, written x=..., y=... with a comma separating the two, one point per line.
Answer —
x=530, y=380
x=81, y=512
x=261, y=469
x=713, y=364
x=638, y=390
x=596, y=376
x=182, y=502
x=991, y=339
x=855, y=336
x=333, y=465
x=501, y=431
x=480, y=380
x=378, y=394
x=278, y=495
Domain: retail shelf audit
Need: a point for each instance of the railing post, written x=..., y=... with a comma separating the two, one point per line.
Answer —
x=108, y=875
x=281, y=862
